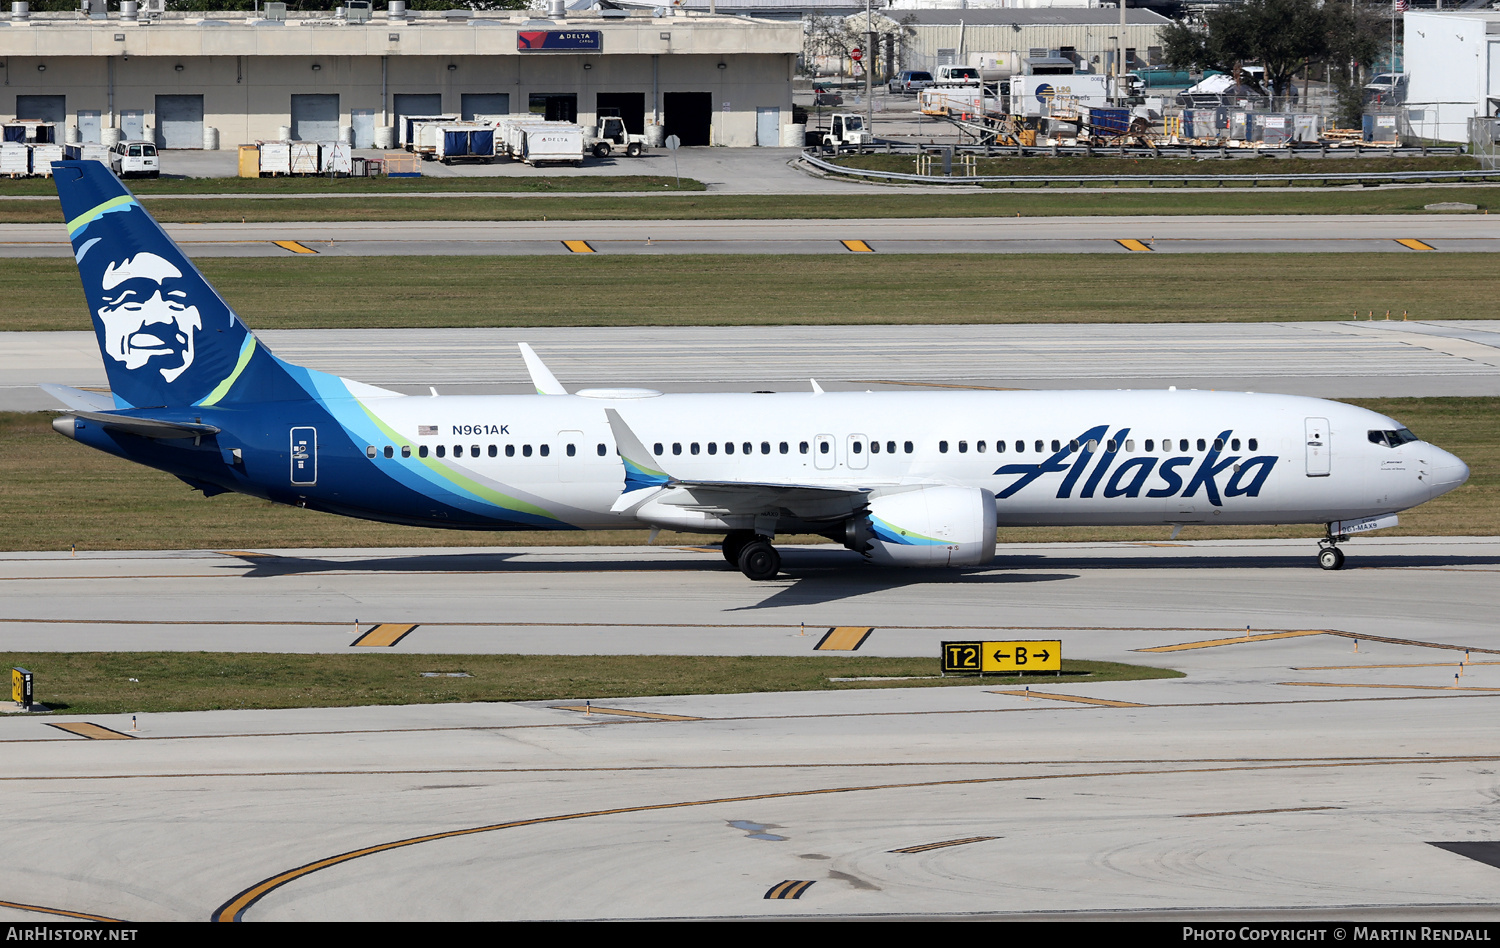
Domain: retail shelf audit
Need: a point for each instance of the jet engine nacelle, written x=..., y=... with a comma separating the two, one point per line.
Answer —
x=929, y=526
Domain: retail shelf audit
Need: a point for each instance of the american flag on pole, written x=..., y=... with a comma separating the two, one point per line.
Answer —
x=1400, y=6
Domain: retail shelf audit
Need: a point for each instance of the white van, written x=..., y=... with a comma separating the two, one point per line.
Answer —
x=134, y=158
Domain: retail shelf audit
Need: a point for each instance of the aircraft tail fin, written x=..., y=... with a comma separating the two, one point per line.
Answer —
x=167, y=337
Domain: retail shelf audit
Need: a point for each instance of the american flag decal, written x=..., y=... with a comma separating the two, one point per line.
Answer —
x=426, y=430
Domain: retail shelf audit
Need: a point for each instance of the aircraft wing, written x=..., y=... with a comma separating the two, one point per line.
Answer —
x=644, y=480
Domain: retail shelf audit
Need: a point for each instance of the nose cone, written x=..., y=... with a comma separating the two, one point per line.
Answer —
x=1444, y=471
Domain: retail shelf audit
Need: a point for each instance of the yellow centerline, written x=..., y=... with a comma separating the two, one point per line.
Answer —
x=623, y=712
x=1339, y=684
x=63, y=913
x=1237, y=640
x=1019, y=693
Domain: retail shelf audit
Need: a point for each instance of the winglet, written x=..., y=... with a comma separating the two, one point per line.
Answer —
x=546, y=383
x=642, y=471
x=817, y=389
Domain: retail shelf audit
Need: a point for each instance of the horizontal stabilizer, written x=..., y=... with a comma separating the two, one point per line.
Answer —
x=146, y=427
x=78, y=399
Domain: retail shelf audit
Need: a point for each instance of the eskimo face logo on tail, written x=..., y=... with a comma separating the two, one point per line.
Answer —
x=146, y=317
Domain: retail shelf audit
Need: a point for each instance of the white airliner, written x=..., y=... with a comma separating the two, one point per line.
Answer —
x=905, y=478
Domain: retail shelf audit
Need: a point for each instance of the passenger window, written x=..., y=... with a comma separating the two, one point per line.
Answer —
x=713, y=447
x=908, y=447
x=1234, y=444
x=765, y=448
x=474, y=451
x=942, y=447
x=822, y=447
x=656, y=449
x=802, y=447
x=572, y=450
x=999, y=447
x=510, y=450
x=728, y=448
x=370, y=451
x=544, y=449
x=747, y=448
x=525, y=450
x=979, y=447
x=890, y=447
x=677, y=447
x=421, y=450
x=494, y=451
x=693, y=448
x=1073, y=446
x=1056, y=446
x=406, y=450
x=1150, y=445
x=1182, y=444
x=1092, y=446
x=1202, y=445
x=785, y=447
x=856, y=447
x=963, y=447
x=874, y=447
x=458, y=450
x=1254, y=444
x=602, y=451
x=1111, y=446
x=439, y=450
x=390, y=452
x=1039, y=447
x=1218, y=444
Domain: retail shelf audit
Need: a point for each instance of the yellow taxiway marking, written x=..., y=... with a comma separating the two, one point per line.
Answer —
x=1411, y=243
x=1340, y=684
x=94, y=732
x=63, y=913
x=944, y=844
x=843, y=638
x=1317, y=668
x=1080, y=700
x=857, y=246
x=1287, y=809
x=234, y=909
x=385, y=635
x=589, y=709
x=244, y=554
x=1134, y=245
x=578, y=246
x=1237, y=640
x=790, y=889
x=293, y=246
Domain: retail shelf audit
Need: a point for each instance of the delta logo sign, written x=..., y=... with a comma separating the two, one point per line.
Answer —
x=1173, y=476
x=534, y=40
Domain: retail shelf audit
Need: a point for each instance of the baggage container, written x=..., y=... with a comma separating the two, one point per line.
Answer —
x=508, y=134
x=42, y=157
x=249, y=161
x=304, y=157
x=86, y=151
x=551, y=142
x=275, y=157
x=15, y=159
x=466, y=142
x=408, y=123
x=335, y=158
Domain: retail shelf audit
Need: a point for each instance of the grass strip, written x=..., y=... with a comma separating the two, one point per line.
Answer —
x=155, y=682
x=364, y=187
x=1102, y=166
x=1102, y=202
x=328, y=292
x=59, y=493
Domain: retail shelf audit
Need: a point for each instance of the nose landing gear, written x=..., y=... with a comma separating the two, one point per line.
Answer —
x=1329, y=554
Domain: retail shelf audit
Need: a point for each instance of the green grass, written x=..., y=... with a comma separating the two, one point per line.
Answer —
x=297, y=292
x=907, y=164
x=101, y=682
x=547, y=184
x=59, y=493
x=1101, y=202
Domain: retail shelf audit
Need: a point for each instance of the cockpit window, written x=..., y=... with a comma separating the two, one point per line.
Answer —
x=1392, y=439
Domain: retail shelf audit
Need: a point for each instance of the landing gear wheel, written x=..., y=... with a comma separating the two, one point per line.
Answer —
x=1331, y=557
x=759, y=560
x=734, y=542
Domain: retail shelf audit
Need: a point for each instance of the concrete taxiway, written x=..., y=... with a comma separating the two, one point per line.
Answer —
x=1294, y=771
x=1335, y=359
x=1419, y=233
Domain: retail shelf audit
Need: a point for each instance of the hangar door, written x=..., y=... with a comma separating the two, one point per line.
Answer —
x=415, y=103
x=630, y=105
x=42, y=108
x=179, y=121
x=689, y=116
x=484, y=103
x=315, y=118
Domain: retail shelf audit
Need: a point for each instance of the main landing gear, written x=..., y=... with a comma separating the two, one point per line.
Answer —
x=1329, y=555
x=752, y=554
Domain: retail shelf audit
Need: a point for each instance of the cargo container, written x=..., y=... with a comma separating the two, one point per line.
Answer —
x=86, y=151
x=275, y=157
x=42, y=157
x=956, y=101
x=34, y=133
x=407, y=126
x=466, y=143
x=15, y=159
x=335, y=158
x=1038, y=96
x=508, y=137
x=304, y=157
x=550, y=142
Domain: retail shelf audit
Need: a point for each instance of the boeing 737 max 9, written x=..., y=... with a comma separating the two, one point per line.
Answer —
x=905, y=478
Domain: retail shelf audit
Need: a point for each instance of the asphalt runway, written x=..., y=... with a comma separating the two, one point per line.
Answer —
x=1328, y=765
x=1332, y=359
x=1420, y=233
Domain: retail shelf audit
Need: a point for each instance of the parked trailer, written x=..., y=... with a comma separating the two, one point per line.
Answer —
x=409, y=123
x=508, y=137
x=551, y=141
x=956, y=101
x=465, y=143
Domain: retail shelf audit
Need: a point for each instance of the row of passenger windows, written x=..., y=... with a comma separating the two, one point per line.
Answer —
x=476, y=450
x=1111, y=445
x=824, y=447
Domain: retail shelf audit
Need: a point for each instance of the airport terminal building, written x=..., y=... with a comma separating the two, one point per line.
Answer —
x=185, y=80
